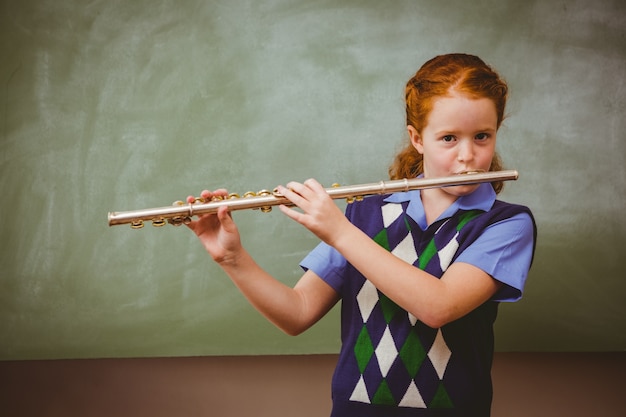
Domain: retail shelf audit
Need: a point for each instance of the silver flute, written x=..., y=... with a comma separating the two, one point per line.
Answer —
x=181, y=213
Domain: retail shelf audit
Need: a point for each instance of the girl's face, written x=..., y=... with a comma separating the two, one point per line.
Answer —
x=459, y=136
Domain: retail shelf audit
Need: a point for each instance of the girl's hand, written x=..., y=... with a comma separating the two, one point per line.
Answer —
x=319, y=213
x=217, y=231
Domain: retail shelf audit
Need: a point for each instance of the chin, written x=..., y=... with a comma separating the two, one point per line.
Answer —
x=462, y=190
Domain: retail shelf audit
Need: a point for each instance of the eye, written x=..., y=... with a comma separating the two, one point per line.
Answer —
x=482, y=136
x=448, y=138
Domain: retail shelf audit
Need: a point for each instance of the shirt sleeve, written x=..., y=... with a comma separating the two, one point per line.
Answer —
x=327, y=263
x=504, y=251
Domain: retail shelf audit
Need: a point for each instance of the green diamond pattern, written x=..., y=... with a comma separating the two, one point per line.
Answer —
x=427, y=254
x=441, y=399
x=383, y=395
x=466, y=217
x=381, y=239
x=389, y=308
x=406, y=223
x=363, y=349
x=431, y=249
x=412, y=354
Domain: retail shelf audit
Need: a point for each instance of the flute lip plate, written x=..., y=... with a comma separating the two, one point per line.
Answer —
x=471, y=171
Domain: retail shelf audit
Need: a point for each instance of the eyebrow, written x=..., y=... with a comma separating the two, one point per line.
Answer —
x=455, y=131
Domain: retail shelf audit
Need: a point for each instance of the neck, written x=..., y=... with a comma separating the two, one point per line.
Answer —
x=435, y=202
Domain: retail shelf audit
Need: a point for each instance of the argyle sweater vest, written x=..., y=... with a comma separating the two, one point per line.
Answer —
x=390, y=363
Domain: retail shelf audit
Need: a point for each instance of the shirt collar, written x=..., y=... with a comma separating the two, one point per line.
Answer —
x=481, y=199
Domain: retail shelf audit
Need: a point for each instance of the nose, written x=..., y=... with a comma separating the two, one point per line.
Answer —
x=465, y=151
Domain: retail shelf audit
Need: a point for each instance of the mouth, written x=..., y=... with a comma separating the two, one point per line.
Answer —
x=474, y=171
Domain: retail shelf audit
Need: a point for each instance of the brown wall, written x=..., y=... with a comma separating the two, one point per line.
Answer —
x=525, y=384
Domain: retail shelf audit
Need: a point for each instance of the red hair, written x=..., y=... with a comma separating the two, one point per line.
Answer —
x=462, y=73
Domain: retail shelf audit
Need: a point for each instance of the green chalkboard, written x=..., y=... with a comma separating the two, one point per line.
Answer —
x=121, y=105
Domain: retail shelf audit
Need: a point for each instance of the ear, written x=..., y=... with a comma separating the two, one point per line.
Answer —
x=416, y=139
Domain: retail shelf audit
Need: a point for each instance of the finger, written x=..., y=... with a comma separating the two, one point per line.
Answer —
x=208, y=195
x=193, y=199
x=224, y=216
x=291, y=213
x=293, y=194
x=308, y=189
x=314, y=185
x=226, y=219
x=299, y=188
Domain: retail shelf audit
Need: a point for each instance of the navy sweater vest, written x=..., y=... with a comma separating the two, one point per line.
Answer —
x=390, y=363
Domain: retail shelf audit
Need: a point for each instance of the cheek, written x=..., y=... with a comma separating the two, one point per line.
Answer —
x=487, y=156
x=439, y=162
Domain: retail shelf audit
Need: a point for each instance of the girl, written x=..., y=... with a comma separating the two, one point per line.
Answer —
x=419, y=273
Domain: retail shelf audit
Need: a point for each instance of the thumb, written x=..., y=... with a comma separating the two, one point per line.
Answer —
x=226, y=219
